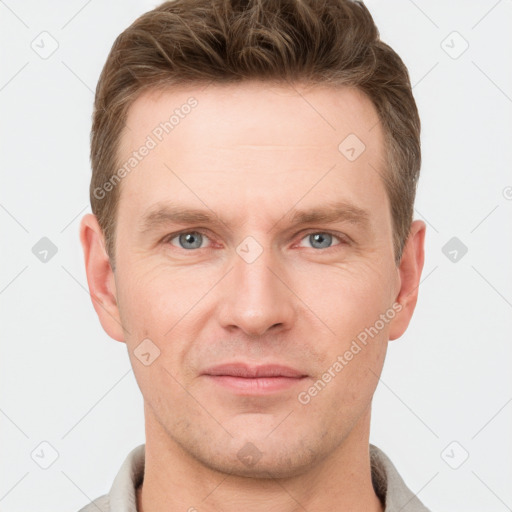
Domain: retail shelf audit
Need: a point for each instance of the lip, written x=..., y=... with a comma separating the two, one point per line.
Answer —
x=247, y=371
x=244, y=379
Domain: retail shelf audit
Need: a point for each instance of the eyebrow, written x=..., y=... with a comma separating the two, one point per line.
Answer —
x=165, y=214
x=333, y=212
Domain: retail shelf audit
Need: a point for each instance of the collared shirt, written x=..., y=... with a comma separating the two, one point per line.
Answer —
x=388, y=485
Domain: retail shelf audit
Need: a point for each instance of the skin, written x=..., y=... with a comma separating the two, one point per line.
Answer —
x=252, y=154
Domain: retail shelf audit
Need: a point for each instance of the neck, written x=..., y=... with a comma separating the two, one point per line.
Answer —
x=173, y=480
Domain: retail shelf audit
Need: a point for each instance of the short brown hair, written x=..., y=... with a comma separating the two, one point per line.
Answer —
x=325, y=42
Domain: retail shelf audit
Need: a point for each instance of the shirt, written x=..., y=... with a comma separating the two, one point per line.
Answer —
x=388, y=484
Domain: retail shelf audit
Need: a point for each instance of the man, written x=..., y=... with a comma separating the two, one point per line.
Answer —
x=254, y=173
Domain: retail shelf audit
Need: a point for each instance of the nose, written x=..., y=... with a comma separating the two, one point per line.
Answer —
x=256, y=297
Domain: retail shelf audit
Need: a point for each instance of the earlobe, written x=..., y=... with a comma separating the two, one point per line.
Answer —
x=100, y=277
x=410, y=268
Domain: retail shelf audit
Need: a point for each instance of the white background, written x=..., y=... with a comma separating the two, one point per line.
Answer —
x=64, y=381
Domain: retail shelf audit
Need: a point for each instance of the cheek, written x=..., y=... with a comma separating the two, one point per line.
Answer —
x=346, y=299
x=164, y=305
x=154, y=297
x=156, y=304
x=354, y=337
x=350, y=305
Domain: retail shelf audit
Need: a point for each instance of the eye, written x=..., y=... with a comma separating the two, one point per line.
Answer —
x=190, y=240
x=322, y=239
x=187, y=240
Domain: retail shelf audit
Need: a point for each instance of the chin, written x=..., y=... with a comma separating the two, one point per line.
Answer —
x=263, y=457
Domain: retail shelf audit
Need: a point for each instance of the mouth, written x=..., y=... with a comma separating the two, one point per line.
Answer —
x=245, y=379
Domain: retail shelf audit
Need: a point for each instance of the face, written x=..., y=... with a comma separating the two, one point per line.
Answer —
x=256, y=232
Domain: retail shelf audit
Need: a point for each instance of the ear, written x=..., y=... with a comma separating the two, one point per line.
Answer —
x=100, y=277
x=409, y=271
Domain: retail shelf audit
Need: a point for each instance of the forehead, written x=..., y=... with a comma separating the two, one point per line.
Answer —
x=257, y=138
x=252, y=114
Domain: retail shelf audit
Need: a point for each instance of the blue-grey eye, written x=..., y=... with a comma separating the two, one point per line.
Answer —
x=191, y=240
x=320, y=240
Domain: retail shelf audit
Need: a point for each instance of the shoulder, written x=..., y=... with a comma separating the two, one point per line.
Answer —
x=101, y=504
x=390, y=486
x=122, y=494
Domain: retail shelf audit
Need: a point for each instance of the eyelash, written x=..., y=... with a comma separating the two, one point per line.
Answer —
x=343, y=239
